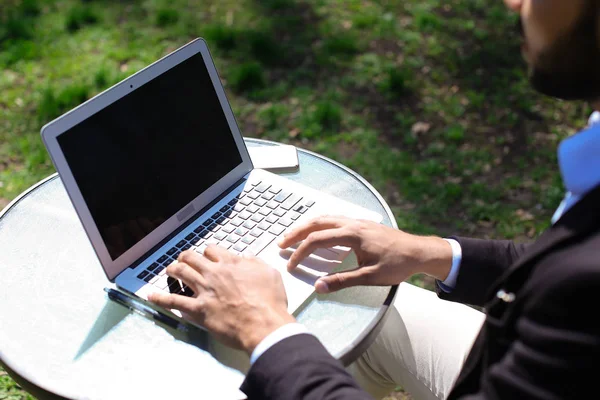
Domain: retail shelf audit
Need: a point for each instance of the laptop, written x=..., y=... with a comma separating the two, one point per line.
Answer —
x=157, y=165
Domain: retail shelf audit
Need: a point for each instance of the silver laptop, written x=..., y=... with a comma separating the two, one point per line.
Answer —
x=156, y=165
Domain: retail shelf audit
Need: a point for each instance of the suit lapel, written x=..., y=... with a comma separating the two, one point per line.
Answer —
x=579, y=220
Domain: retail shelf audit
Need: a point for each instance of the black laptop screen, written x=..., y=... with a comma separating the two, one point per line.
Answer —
x=143, y=158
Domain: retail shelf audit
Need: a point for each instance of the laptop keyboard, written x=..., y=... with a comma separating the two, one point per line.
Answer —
x=245, y=225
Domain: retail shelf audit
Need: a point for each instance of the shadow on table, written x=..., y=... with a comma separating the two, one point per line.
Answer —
x=110, y=316
x=113, y=314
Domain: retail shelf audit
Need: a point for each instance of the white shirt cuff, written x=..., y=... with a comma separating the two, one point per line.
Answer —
x=275, y=337
x=450, y=281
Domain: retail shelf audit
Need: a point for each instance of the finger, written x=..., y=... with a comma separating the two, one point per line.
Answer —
x=317, y=224
x=319, y=240
x=174, y=302
x=194, y=260
x=342, y=280
x=187, y=274
x=215, y=253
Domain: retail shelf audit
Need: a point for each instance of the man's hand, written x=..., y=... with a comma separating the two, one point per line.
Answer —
x=239, y=299
x=386, y=256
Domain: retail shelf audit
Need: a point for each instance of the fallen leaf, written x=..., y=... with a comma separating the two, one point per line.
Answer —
x=294, y=132
x=524, y=215
x=420, y=127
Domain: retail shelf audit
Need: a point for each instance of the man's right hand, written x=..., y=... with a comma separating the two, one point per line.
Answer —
x=386, y=256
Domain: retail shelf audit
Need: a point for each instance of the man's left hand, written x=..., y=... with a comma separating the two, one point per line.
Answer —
x=239, y=299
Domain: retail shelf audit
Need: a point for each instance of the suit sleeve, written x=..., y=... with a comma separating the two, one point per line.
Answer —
x=299, y=367
x=483, y=262
x=557, y=347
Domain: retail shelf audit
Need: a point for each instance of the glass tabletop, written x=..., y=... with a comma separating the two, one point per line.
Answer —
x=61, y=333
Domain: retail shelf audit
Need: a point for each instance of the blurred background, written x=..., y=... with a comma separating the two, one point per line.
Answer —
x=427, y=99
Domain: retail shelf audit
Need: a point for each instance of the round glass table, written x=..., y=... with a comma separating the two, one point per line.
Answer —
x=62, y=337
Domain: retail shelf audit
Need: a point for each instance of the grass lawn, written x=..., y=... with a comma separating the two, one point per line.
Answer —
x=427, y=99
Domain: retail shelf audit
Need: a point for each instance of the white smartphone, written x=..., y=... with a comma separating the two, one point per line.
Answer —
x=282, y=158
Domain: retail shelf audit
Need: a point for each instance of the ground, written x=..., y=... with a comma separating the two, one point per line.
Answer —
x=427, y=99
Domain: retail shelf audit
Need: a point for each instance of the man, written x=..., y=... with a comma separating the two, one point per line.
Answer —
x=539, y=338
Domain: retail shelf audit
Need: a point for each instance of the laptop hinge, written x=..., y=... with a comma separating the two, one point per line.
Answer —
x=187, y=223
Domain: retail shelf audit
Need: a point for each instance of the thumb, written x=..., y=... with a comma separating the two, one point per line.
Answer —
x=341, y=280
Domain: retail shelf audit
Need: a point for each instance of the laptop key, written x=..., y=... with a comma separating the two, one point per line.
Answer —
x=309, y=203
x=207, y=222
x=186, y=247
x=158, y=270
x=252, y=209
x=162, y=282
x=154, y=279
x=253, y=195
x=173, y=250
x=277, y=230
x=200, y=249
x=224, y=208
x=228, y=228
x=233, y=238
x=280, y=212
x=264, y=211
x=301, y=209
x=224, y=244
x=291, y=202
x=274, y=189
x=239, y=247
x=293, y=215
x=220, y=236
x=285, y=221
x=249, y=224
x=241, y=231
x=257, y=218
x=248, y=239
x=205, y=234
x=149, y=277
x=267, y=196
x=282, y=196
x=238, y=207
x=272, y=219
x=256, y=232
x=214, y=227
x=262, y=187
x=264, y=225
x=272, y=204
x=162, y=259
x=260, y=202
x=152, y=267
x=233, y=202
x=221, y=220
x=259, y=244
x=246, y=201
x=143, y=274
x=181, y=243
x=244, y=215
x=190, y=236
x=237, y=221
x=254, y=183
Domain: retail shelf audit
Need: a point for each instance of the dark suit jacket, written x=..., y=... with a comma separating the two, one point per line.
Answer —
x=540, y=340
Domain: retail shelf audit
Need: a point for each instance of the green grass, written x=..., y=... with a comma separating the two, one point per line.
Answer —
x=428, y=100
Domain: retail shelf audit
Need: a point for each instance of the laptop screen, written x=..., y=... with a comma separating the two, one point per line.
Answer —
x=141, y=159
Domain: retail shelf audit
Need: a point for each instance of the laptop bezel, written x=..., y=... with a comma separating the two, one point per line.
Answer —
x=51, y=131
